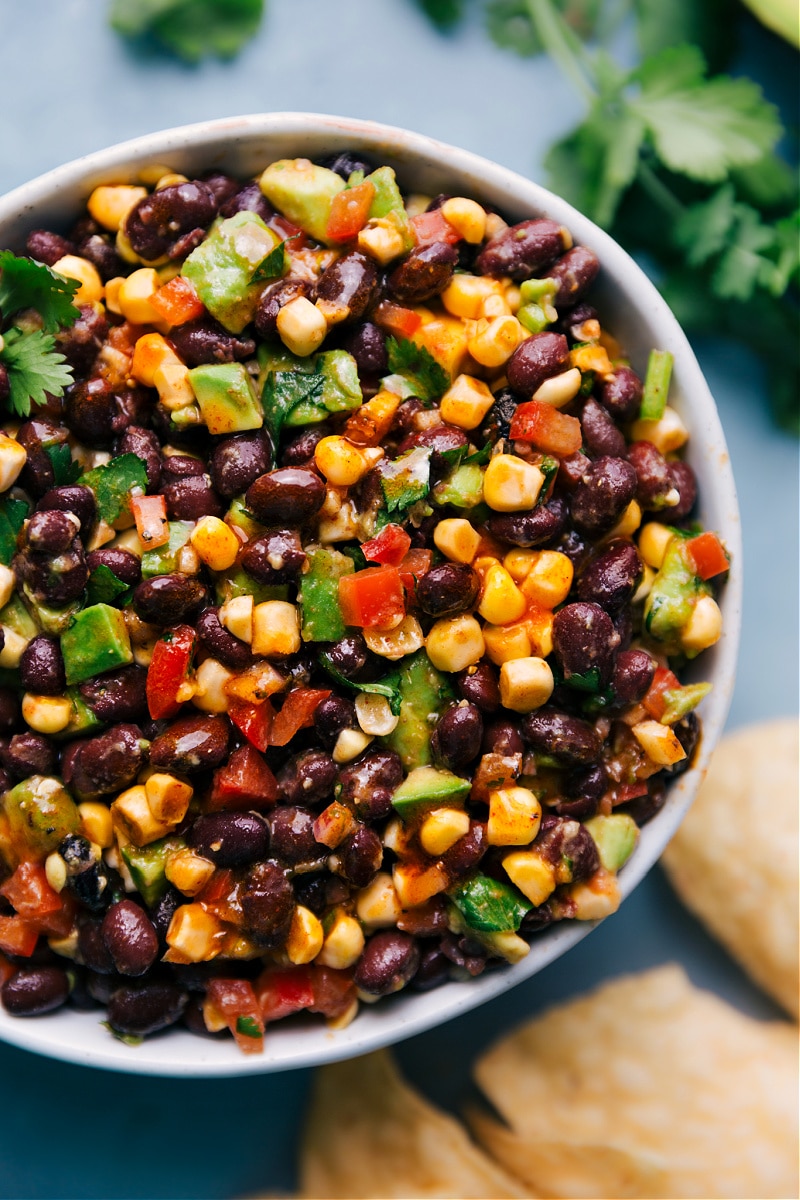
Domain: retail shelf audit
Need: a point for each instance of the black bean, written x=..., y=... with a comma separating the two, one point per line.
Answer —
x=307, y=778
x=9, y=710
x=369, y=781
x=275, y=297
x=139, y=1011
x=191, y=498
x=687, y=731
x=583, y=788
x=433, y=969
x=683, y=479
x=653, y=476
x=404, y=418
x=38, y=475
x=180, y=466
x=610, y=578
x=347, y=162
x=193, y=743
x=51, y=532
x=574, y=273
x=126, y=565
x=92, y=949
x=522, y=250
x=41, y=667
x=480, y=686
x=465, y=953
x=360, y=856
x=457, y=737
x=502, y=737
x=311, y=892
x=164, y=910
x=96, y=413
x=568, y=847
x=288, y=496
x=146, y=446
x=534, y=360
x=245, y=198
x=584, y=640
x=573, y=322
x=633, y=674
x=276, y=557
x=117, y=695
x=644, y=808
x=605, y=491
x=540, y=527
x=221, y=643
x=46, y=247
x=159, y=223
x=81, y=343
x=206, y=341
x=621, y=394
x=388, y=962
x=292, y=837
x=448, y=589
x=423, y=273
x=34, y=991
x=5, y=386
x=104, y=764
x=467, y=852
x=28, y=754
x=230, y=839
x=600, y=434
x=130, y=938
x=568, y=739
x=300, y=450
x=440, y=439
x=268, y=904
x=347, y=287
x=367, y=344
x=237, y=461
x=168, y=599
x=331, y=716
x=349, y=656
x=100, y=251
x=497, y=422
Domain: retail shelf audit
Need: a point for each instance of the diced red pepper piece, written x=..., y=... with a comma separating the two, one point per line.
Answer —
x=625, y=792
x=62, y=922
x=334, y=991
x=350, y=211
x=287, y=231
x=282, y=991
x=655, y=701
x=296, y=713
x=169, y=668
x=373, y=598
x=253, y=720
x=546, y=428
x=29, y=893
x=415, y=564
x=7, y=969
x=150, y=515
x=177, y=302
x=235, y=1000
x=400, y=322
x=434, y=227
x=390, y=546
x=18, y=936
x=708, y=555
x=245, y=781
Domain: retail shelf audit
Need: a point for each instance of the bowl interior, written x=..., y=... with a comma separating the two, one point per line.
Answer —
x=631, y=308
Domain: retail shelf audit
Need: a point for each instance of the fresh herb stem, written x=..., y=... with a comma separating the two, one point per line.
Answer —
x=658, y=191
x=563, y=46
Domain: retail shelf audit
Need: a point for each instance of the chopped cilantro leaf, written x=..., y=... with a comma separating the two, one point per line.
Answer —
x=27, y=284
x=283, y=392
x=191, y=29
x=113, y=483
x=65, y=469
x=12, y=514
x=35, y=368
x=273, y=266
x=389, y=687
x=249, y=1027
x=419, y=368
x=104, y=587
x=406, y=480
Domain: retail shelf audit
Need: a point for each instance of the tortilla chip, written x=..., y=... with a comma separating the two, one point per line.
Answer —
x=652, y=1076
x=734, y=860
x=369, y=1136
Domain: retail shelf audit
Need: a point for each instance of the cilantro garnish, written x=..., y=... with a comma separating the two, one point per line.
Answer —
x=191, y=29
x=283, y=392
x=406, y=480
x=390, y=687
x=113, y=483
x=273, y=266
x=104, y=587
x=27, y=284
x=12, y=514
x=35, y=368
x=428, y=380
x=65, y=469
x=249, y=1027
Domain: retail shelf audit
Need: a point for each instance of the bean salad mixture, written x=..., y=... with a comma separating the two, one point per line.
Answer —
x=347, y=574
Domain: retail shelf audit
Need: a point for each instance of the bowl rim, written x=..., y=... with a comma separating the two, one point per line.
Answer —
x=77, y=1037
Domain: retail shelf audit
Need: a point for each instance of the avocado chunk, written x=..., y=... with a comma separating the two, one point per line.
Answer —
x=424, y=694
x=671, y=600
x=427, y=785
x=341, y=390
x=16, y=616
x=322, y=619
x=490, y=906
x=97, y=641
x=222, y=268
x=148, y=864
x=236, y=582
x=303, y=192
x=40, y=813
x=463, y=488
x=83, y=720
x=615, y=837
x=226, y=397
x=388, y=202
x=163, y=560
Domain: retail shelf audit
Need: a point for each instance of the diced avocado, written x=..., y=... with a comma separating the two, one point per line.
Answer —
x=306, y=413
x=52, y=620
x=463, y=488
x=341, y=390
x=163, y=560
x=16, y=616
x=223, y=265
x=40, y=813
x=239, y=514
x=322, y=619
x=615, y=837
x=490, y=906
x=303, y=192
x=387, y=202
x=236, y=582
x=424, y=693
x=681, y=700
x=97, y=641
x=147, y=865
x=671, y=600
x=226, y=397
x=427, y=785
x=83, y=720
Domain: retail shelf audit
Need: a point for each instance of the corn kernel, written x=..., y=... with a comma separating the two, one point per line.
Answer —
x=8, y=582
x=12, y=460
x=511, y=484
x=659, y=742
x=131, y=814
x=645, y=586
x=112, y=298
x=91, y=285
x=628, y=523
x=396, y=643
x=209, y=693
x=188, y=871
x=374, y=715
x=342, y=463
x=595, y=898
x=457, y=539
x=151, y=352
x=518, y=563
x=466, y=402
x=381, y=239
x=525, y=684
x=539, y=623
x=465, y=295
x=515, y=815
x=169, y=179
x=168, y=797
x=305, y=938
x=667, y=434
x=508, y=945
x=110, y=205
x=415, y=885
x=549, y=580
x=704, y=627
x=55, y=870
x=501, y=601
x=236, y=615
x=46, y=714
x=653, y=541
x=446, y=339
x=455, y=643
x=194, y=935
x=301, y=327
x=135, y=294
x=13, y=648
x=534, y=877
x=441, y=829
x=215, y=542
x=171, y=381
x=349, y=744
x=96, y=823
x=491, y=342
x=377, y=905
x=343, y=944
x=124, y=249
x=467, y=218
x=592, y=358
x=558, y=390
x=495, y=306
x=276, y=629
x=504, y=643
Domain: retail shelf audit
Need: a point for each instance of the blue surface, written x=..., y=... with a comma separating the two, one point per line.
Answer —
x=72, y=1132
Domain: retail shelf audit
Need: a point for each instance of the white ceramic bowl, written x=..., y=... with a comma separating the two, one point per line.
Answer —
x=630, y=307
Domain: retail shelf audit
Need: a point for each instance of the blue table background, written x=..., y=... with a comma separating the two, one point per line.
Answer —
x=72, y=86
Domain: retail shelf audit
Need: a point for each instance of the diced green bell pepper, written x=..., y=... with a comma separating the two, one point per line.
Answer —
x=147, y=865
x=239, y=514
x=321, y=615
x=424, y=694
x=672, y=597
x=163, y=560
x=97, y=641
x=222, y=267
x=490, y=906
x=656, y=385
x=236, y=582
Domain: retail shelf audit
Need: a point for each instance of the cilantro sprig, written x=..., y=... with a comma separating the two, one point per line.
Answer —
x=192, y=29
x=426, y=378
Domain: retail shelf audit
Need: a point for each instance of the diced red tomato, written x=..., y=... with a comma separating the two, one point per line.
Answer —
x=29, y=893
x=350, y=211
x=177, y=302
x=18, y=936
x=235, y=1000
x=546, y=428
x=169, y=668
x=334, y=991
x=625, y=792
x=288, y=231
x=655, y=701
x=433, y=227
x=415, y=564
x=296, y=713
x=390, y=546
x=282, y=991
x=7, y=969
x=400, y=322
x=245, y=781
x=150, y=514
x=253, y=720
x=373, y=598
x=708, y=555
x=59, y=924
